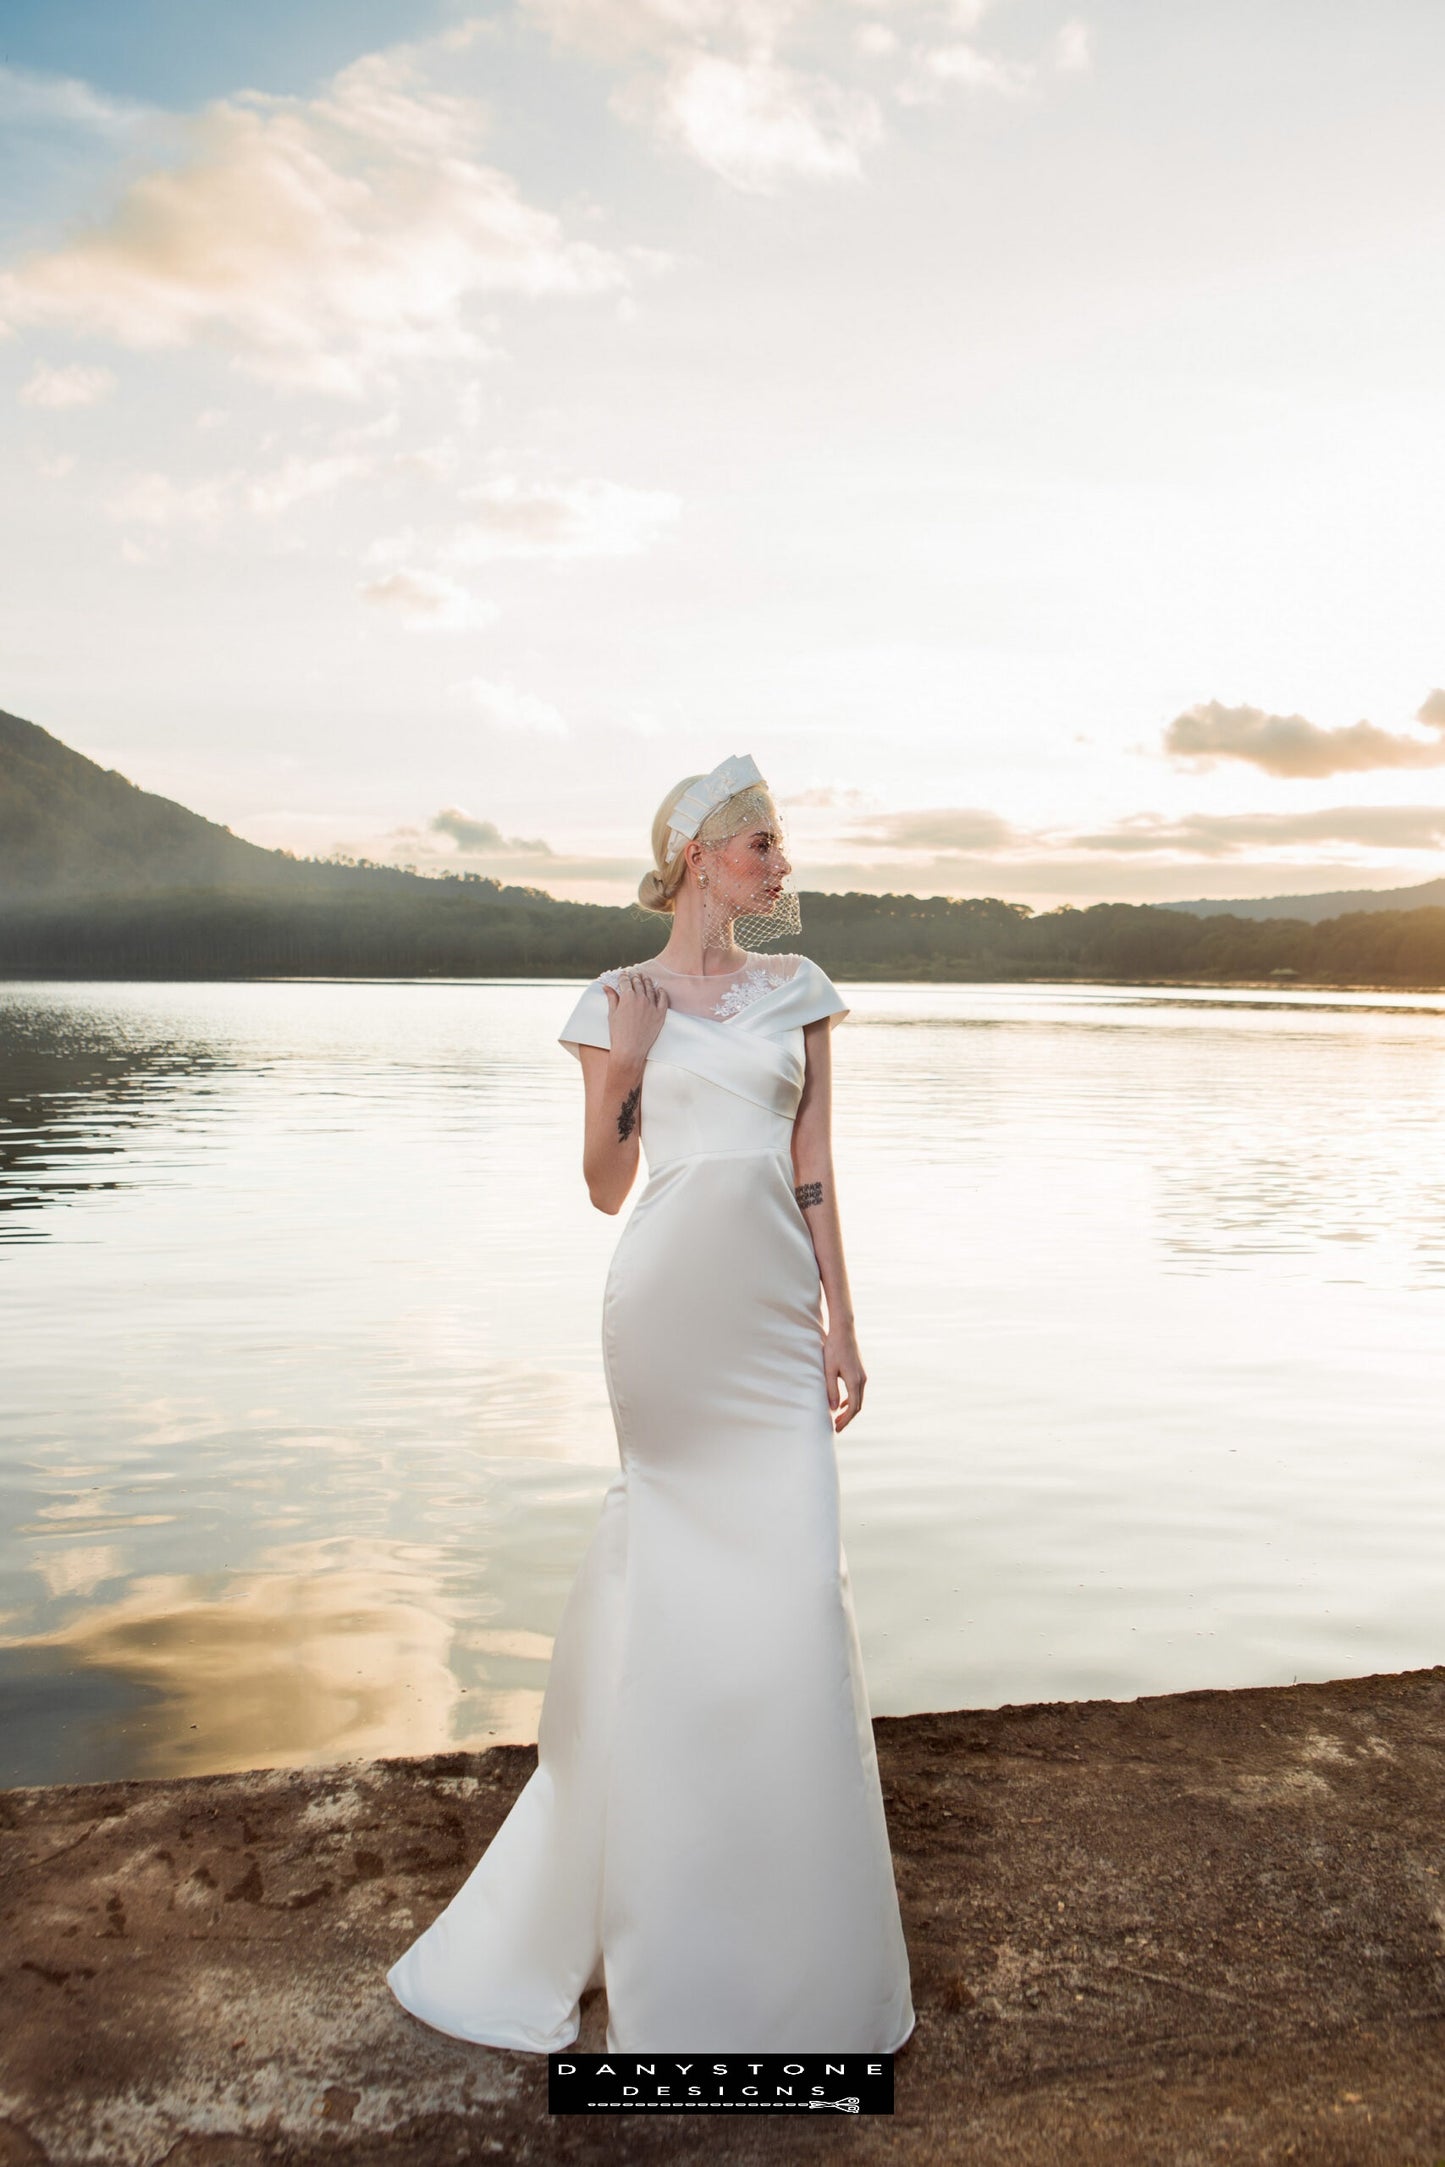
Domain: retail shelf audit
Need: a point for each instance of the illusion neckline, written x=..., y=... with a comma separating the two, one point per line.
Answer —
x=725, y=1023
x=655, y=965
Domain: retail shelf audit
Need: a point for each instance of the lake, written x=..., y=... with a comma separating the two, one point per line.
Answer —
x=303, y=1426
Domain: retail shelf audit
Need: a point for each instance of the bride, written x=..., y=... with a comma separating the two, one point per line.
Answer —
x=704, y=1833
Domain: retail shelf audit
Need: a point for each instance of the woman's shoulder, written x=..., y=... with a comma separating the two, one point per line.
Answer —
x=781, y=966
x=814, y=994
x=588, y=1023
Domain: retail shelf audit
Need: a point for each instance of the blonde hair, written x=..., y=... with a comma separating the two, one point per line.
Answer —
x=657, y=890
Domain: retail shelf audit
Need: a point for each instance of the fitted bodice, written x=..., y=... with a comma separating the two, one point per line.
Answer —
x=711, y=1087
x=720, y=1085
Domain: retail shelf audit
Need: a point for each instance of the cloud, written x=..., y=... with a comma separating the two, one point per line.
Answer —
x=1376, y=827
x=945, y=66
x=1072, y=48
x=1047, y=880
x=948, y=828
x=156, y=500
x=755, y=121
x=469, y=834
x=321, y=241
x=618, y=29
x=73, y=386
x=721, y=77
x=429, y=602
x=970, y=831
x=510, y=709
x=585, y=518
x=828, y=797
x=298, y=478
x=1290, y=745
x=28, y=99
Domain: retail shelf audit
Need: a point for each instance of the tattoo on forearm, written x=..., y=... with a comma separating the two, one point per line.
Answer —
x=809, y=1192
x=627, y=1113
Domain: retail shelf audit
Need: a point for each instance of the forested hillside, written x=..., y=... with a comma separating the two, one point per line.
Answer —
x=99, y=879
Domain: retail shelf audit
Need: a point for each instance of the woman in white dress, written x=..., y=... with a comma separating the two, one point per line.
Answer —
x=704, y=1833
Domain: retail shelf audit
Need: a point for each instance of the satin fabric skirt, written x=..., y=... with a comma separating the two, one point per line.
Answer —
x=704, y=1832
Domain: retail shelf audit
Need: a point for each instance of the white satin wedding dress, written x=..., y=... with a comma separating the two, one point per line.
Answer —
x=704, y=1832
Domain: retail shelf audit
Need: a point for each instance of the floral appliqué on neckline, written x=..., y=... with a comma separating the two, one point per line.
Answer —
x=758, y=978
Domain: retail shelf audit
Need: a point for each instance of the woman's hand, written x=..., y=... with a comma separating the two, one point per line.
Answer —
x=636, y=1009
x=843, y=1368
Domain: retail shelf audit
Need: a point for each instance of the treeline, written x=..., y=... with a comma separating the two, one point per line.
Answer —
x=363, y=924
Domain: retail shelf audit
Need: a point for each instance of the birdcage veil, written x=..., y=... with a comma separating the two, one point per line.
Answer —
x=741, y=883
x=739, y=887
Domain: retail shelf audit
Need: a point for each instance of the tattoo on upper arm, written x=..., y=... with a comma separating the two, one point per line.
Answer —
x=627, y=1113
x=809, y=1192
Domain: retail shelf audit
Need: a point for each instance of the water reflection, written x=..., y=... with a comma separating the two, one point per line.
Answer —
x=73, y=1085
x=303, y=1427
x=315, y=1652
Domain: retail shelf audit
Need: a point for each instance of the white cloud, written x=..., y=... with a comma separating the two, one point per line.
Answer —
x=722, y=78
x=708, y=75
x=321, y=241
x=510, y=709
x=153, y=550
x=156, y=500
x=946, y=66
x=28, y=99
x=511, y=518
x=958, y=827
x=298, y=478
x=1073, y=50
x=72, y=386
x=428, y=602
x=617, y=29
x=829, y=797
x=754, y=121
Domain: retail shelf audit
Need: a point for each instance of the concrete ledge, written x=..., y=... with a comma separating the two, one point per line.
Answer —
x=1195, y=1927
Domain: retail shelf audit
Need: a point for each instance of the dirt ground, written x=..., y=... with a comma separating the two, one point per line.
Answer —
x=1187, y=1929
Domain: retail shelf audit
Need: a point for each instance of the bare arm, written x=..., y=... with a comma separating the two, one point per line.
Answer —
x=613, y=1079
x=817, y=1197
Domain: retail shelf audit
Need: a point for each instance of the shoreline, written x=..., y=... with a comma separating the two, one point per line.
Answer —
x=1197, y=1924
x=1403, y=987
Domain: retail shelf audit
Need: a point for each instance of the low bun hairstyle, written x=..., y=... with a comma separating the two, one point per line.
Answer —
x=657, y=890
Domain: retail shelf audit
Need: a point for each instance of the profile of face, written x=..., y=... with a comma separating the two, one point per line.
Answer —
x=746, y=873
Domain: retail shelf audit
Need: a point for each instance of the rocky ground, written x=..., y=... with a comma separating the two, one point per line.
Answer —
x=1198, y=1927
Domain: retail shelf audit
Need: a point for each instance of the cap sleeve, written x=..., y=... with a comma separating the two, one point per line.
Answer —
x=818, y=996
x=587, y=1024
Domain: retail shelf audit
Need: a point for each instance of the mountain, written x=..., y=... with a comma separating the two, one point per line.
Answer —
x=101, y=880
x=70, y=828
x=1313, y=908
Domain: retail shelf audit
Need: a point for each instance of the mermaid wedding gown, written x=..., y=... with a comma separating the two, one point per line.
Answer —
x=704, y=1832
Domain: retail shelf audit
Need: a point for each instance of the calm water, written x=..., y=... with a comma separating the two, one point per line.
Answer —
x=303, y=1428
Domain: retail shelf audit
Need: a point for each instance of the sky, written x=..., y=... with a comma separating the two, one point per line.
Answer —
x=428, y=433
